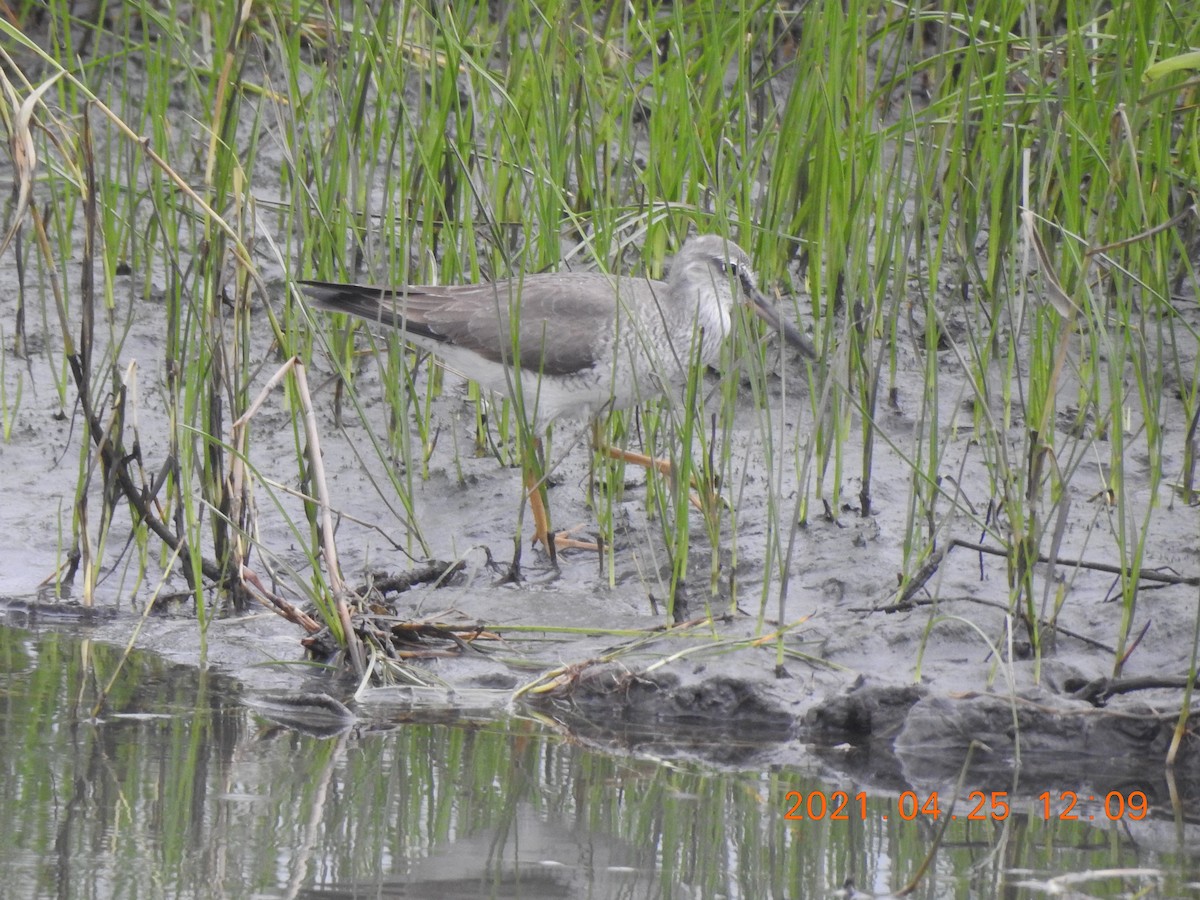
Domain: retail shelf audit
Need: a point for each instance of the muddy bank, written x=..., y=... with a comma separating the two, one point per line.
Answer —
x=878, y=697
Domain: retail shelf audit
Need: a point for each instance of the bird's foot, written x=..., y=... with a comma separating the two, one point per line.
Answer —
x=563, y=540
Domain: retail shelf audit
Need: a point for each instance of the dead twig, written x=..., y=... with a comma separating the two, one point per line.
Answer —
x=905, y=599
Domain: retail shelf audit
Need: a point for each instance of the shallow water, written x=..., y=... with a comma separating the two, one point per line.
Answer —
x=175, y=788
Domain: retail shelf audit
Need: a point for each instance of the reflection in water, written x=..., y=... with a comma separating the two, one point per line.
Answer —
x=177, y=789
x=525, y=857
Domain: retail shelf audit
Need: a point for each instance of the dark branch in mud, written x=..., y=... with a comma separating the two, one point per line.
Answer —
x=905, y=600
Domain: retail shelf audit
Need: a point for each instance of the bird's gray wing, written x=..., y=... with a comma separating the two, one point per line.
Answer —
x=565, y=320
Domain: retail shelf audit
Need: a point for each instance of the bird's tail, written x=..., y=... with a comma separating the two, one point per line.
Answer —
x=375, y=304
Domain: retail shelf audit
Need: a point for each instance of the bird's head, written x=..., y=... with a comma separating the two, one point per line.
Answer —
x=710, y=265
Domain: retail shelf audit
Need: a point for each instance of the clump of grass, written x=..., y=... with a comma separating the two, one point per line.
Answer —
x=1097, y=170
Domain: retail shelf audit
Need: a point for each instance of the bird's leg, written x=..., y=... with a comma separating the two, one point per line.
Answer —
x=620, y=454
x=533, y=467
x=535, y=486
x=541, y=526
x=663, y=466
x=639, y=459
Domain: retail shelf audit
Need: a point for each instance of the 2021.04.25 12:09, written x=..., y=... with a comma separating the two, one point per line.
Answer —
x=815, y=806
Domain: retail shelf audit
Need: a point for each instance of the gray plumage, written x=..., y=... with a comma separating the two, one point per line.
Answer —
x=585, y=341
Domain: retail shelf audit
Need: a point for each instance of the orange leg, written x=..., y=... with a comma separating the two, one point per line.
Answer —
x=541, y=520
x=641, y=459
x=638, y=459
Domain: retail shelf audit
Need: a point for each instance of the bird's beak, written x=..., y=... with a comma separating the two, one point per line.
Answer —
x=769, y=314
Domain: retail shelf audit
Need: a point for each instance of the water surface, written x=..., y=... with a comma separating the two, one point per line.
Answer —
x=173, y=787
